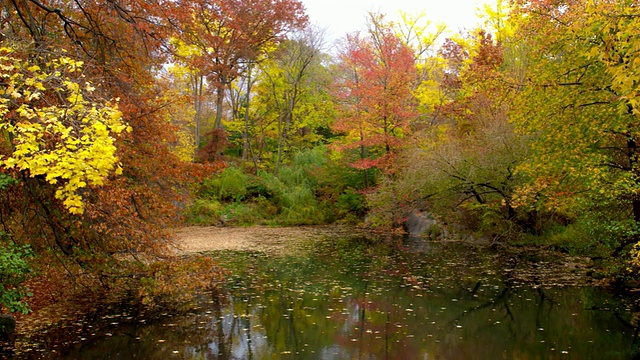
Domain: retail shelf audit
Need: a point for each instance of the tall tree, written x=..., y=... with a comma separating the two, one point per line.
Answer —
x=378, y=74
x=463, y=164
x=120, y=46
x=581, y=101
x=291, y=81
x=230, y=33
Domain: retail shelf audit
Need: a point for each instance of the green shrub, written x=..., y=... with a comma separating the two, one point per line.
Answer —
x=241, y=214
x=301, y=207
x=294, y=197
x=350, y=206
x=231, y=184
x=573, y=239
x=611, y=234
x=294, y=189
x=14, y=271
x=204, y=212
x=305, y=191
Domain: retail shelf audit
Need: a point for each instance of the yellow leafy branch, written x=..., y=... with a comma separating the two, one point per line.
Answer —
x=72, y=143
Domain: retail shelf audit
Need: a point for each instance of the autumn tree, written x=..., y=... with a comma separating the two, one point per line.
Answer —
x=243, y=117
x=184, y=109
x=463, y=165
x=227, y=35
x=580, y=100
x=421, y=36
x=86, y=136
x=292, y=94
x=189, y=81
x=377, y=75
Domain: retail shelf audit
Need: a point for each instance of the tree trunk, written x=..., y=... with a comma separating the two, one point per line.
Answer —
x=363, y=155
x=247, y=148
x=197, y=103
x=283, y=126
x=219, y=101
x=632, y=157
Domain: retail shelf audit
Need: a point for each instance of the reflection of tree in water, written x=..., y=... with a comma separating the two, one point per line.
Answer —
x=286, y=323
x=628, y=316
x=223, y=343
x=511, y=287
x=360, y=300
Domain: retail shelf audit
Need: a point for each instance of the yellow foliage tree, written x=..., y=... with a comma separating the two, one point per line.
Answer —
x=55, y=131
x=579, y=101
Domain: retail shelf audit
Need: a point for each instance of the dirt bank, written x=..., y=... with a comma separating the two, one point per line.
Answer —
x=199, y=239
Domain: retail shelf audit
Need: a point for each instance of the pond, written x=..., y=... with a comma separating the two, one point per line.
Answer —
x=354, y=298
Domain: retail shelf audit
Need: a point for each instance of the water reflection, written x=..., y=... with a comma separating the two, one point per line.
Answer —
x=349, y=299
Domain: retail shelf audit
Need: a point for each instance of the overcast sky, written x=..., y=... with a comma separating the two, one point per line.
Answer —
x=344, y=16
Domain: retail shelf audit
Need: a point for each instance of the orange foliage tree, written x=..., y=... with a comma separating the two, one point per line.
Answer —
x=121, y=45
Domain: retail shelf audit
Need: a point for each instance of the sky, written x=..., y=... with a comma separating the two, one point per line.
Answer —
x=345, y=16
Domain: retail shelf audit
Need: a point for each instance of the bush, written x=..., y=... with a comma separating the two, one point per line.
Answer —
x=14, y=271
x=204, y=212
x=351, y=206
x=574, y=239
x=294, y=196
x=304, y=192
x=241, y=214
x=231, y=184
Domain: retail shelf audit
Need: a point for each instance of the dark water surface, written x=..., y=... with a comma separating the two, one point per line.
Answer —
x=353, y=299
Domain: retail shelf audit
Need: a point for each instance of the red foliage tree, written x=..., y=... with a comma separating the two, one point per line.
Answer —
x=375, y=93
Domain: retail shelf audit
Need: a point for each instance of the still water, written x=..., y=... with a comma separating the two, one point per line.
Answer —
x=355, y=299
